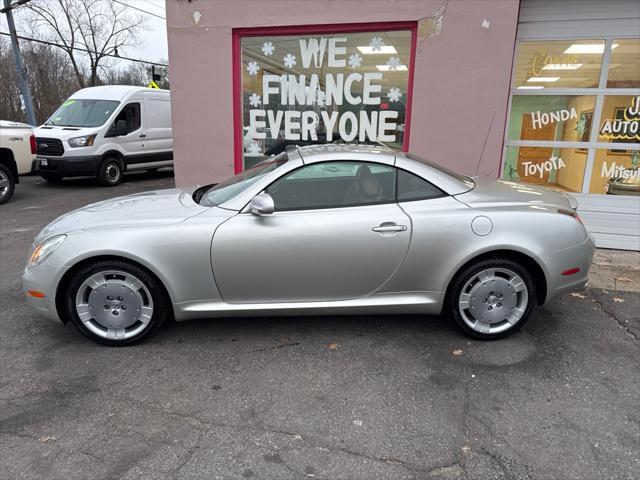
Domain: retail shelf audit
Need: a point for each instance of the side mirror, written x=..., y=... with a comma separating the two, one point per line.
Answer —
x=262, y=204
x=121, y=127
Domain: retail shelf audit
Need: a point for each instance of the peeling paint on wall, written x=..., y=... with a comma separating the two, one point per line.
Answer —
x=431, y=26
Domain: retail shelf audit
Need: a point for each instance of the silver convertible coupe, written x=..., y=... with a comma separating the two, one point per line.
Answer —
x=315, y=230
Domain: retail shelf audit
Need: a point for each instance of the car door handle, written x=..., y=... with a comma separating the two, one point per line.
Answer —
x=389, y=227
x=142, y=135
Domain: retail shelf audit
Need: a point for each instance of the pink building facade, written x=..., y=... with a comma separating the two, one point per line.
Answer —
x=530, y=91
x=461, y=73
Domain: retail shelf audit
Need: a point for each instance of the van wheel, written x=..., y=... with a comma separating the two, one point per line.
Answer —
x=110, y=172
x=492, y=298
x=7, y=184
x=52, y=178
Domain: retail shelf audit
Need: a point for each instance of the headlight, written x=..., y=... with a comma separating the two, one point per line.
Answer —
x=45, y=249
x=86, y=141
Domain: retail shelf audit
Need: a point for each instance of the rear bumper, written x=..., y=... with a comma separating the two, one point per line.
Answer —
x=554, y=263
x=67, y=166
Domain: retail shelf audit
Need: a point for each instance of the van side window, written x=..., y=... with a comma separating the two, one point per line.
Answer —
x=131, y=114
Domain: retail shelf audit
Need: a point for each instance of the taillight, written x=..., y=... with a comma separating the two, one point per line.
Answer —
x=32, y=142
x=571, y=213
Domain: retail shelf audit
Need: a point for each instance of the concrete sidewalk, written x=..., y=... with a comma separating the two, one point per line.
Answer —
x=615, y=270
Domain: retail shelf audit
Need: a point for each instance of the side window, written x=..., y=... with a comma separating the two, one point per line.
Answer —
x=158, y=113
x=411, y=187
x=131, y=114
x=334, y=184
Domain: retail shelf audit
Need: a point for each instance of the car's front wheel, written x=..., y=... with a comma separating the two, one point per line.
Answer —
x=492, y=298
x=114, y=302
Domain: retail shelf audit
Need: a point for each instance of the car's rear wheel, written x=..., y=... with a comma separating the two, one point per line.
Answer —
x=7, y=184
x=110, y=172
x=492, y=298
x=116, y=302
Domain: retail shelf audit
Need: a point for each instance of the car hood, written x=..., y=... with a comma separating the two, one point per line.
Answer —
x=160, y=207
x=504, y=194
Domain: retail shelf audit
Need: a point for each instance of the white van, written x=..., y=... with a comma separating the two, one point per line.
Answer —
x=105, y=131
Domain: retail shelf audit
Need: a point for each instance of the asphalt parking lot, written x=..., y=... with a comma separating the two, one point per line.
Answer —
x=323, y=398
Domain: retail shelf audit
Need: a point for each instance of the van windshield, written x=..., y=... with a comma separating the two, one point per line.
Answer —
x=82, y=113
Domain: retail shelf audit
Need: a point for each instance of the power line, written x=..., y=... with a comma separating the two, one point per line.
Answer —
x=139, y=9
x=88, y=51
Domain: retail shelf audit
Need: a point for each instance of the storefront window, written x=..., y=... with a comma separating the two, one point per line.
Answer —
x=551, y=117
x=558, y=64
x=324, y=88
x=553, y=138
x=624, y=68
x=616, y=172
x=554, y=167
x=620, y=121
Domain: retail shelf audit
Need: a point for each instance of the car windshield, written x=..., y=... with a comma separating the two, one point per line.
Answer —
x=82, y=113
x=228, y=189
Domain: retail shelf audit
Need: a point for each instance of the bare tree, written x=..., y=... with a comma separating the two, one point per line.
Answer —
x=85, y=29
x=50, y=76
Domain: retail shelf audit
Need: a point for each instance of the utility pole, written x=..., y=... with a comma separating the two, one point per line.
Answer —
x=20, y=70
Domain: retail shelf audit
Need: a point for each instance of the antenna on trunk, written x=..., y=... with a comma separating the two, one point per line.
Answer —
x=486, y=138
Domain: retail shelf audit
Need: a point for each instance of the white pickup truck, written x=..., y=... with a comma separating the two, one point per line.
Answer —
x=17, y=153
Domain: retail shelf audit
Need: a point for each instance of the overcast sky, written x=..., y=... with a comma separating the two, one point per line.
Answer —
x=153, y=44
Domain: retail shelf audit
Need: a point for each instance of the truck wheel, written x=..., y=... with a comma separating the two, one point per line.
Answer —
x=110, y=172
x=52, y=178
x=7, y=184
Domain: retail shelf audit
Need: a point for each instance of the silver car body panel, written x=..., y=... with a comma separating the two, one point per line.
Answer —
x=224, y=261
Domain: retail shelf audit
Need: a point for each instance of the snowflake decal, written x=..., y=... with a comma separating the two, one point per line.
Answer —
x=355, y=60
x=252, y=68
x=254, y=100
x=321, y=98
x=254, y=148
x=289, y=60
x=394, y=63
x=268, y=48
x=376, y=44
x=394, y=94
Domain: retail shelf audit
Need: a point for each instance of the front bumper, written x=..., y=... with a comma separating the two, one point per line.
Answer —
x=43, y=278
x=67, y=166
x=554, y=263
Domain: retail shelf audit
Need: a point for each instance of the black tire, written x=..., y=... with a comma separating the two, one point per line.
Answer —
x=8, y=185
x=110, y=172
x=162, y=308
x=53, y=178
x=467, y=274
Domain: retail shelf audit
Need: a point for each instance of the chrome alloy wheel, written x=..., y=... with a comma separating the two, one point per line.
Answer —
x=493, y=300
x=5, y=183
x=114, y=304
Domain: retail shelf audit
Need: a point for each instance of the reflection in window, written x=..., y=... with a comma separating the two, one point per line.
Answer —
x=555, y=167
x=624, y=67
x=558, y=64
x=322, y=88
x=616, y=172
